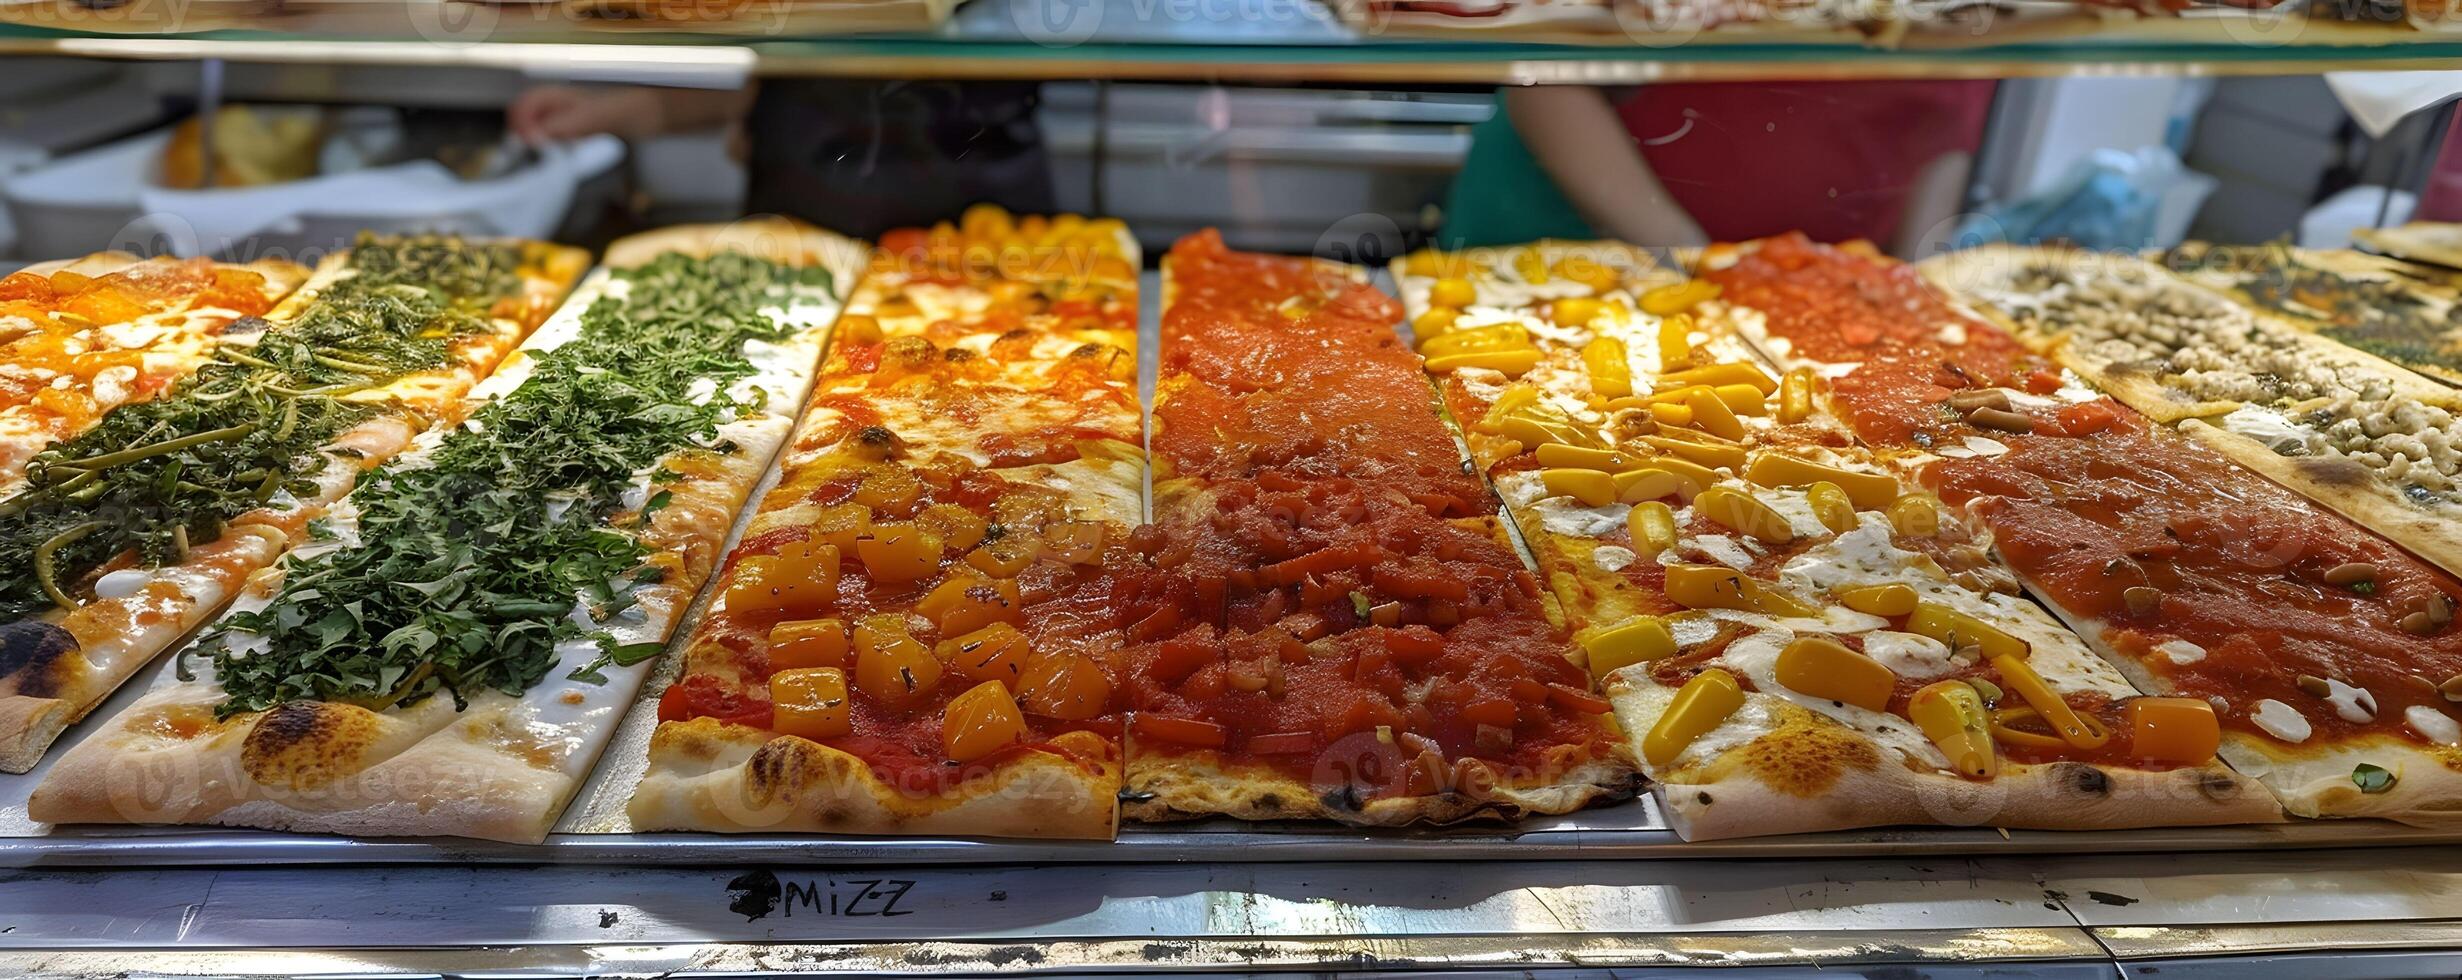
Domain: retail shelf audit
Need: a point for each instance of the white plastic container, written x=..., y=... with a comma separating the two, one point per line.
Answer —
x=108, y=198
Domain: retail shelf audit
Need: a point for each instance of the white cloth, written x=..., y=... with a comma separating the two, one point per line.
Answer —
x=2379, y=100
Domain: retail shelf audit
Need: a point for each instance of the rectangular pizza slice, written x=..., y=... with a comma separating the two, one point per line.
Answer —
x=81, y=337
x=128, y=535
x=454, y=647
x=2323, y=650
x=2374, y=442
x=1784, y=623
x=1338, y=627
x=2400, y=311
x=919, y=632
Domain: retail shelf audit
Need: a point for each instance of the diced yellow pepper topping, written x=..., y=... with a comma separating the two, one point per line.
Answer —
x=1677, y=298
x=1653, y=526
x=1702, y=704
x=1722, y=373
x=1677, y=415
x=1534, y=427
x=2172, y=729
x=1958, y=629
x=1653, y=483
x=1611, y=375
x=1699, y=477
x=1456, y=293
x=1914, y=516
x=1574, y=311
x=981, y=721
x=1675, y=343
x=1583, y=457
x=1888, y=599
x=1720, y=587
x=1711, y=414
x=1831, y=506
x=1433, y=322
x=1594, y=488
x=1705, y=453
x=899, y=552
x=801, y=578
x=1494, y=336
x=966, y=603
x=890, y=665
x=1742, y=399
x=805, y=643
x=810, y=702
x=1532, y=265
x=1795, y=395
x=1825, y=668
x=1743, y=513
x=1951, y=714
x=1637, y=640
x=994, y=653
x=1513, y=361
x=2083, y=732
x=1868, y=491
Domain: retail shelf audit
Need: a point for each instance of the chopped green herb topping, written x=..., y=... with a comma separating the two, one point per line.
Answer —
x=468, y=576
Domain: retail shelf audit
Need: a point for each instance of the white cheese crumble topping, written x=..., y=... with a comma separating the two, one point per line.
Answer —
x=2433, y=725
x=2280, y=720
x=2180, y=651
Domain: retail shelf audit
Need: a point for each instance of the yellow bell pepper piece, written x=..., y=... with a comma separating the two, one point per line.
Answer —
x=810, y=702
x=1702, y=704
x=1717, y=455
x=1825, y=668
x=1914, y=516
x=1653, y=526
x=1742, y=399
x=1514, y=400
x=2080, y=731
x=899, y=552
x=1701, y=475
x=1711, y=414
x=1720, y=587
x=1639, y=640
x=1795, y=392
x=1675, y=343
x=1538, y=427
x=890, y=665
x=2172, y=729
x=1433, y=322
x=1951, y=714
x=801, y=578
x=1652, y=483
x=1831, y=505
x=1740, y=512
x=1722, y=373
x=1453, y=292
x=1958, y=629
x=1574, y=311
x=979, y=722
x=1513, y=361
x=1675, y=415
x=1890, y=599
x=994, y=653
x=1494, y=336
x=1582, y=457
x=1677, y=298
x=1531, y=265
x=1869, y=491
x=807, y=643
x=1594, y=488
x=1611, y=374
x=966, y=603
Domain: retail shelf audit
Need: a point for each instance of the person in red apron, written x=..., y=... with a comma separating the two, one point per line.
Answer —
x=1685, y=164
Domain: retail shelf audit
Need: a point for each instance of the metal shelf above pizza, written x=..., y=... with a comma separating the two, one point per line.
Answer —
x=1233, y=40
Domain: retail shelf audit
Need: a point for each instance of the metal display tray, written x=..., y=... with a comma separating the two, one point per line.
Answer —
x=594, y=829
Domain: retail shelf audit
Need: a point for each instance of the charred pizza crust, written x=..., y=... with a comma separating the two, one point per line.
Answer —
x=1792, y=770
x=709, y=775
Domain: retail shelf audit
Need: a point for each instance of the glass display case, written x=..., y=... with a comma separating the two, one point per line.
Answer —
x=2182, y=224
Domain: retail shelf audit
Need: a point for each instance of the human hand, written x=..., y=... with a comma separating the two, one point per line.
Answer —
x=555, y=113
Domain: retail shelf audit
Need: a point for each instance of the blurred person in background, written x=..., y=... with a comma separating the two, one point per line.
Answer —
x=1680, y=165
x=858, y=158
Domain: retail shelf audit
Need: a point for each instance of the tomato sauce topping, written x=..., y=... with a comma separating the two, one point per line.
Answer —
x=2237, y=565
x=1316, y=604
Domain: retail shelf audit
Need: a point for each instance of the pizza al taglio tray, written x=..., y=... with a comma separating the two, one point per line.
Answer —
x=594, y=829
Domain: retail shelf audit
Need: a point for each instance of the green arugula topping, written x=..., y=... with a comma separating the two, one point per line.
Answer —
x=475, y=557
x=161, y=476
